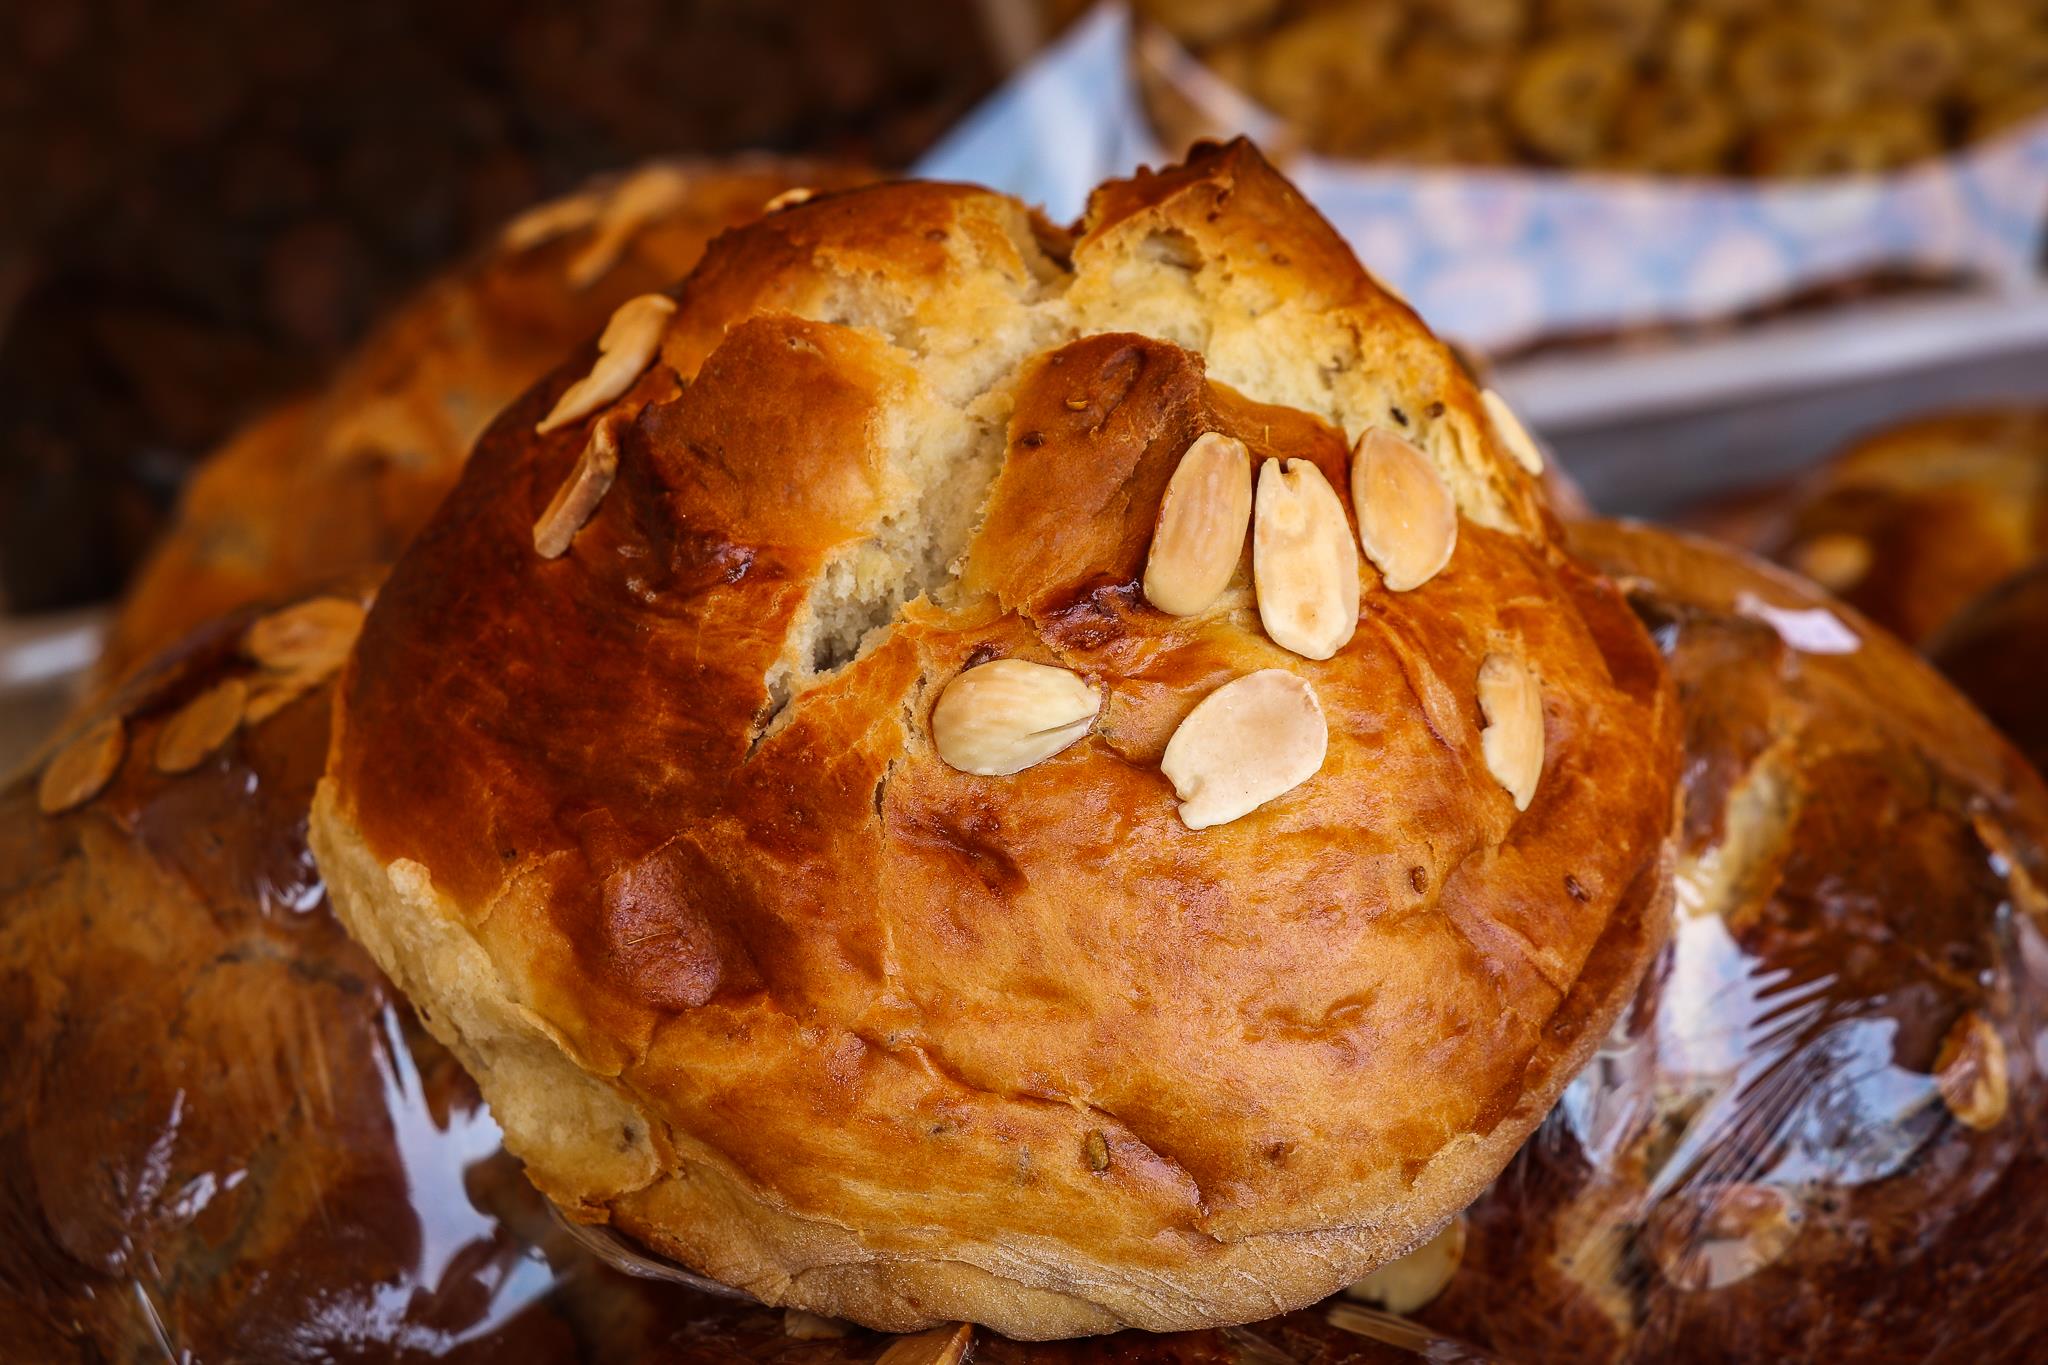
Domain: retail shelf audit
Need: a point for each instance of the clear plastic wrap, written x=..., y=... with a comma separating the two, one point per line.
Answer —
x=1821, y=1133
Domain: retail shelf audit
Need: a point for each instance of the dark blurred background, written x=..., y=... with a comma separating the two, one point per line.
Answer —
x=205, y=202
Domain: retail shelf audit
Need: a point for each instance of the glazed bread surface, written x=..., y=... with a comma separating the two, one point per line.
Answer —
x=635, y=787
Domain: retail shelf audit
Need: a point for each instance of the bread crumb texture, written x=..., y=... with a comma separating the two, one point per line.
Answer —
x=657, y=834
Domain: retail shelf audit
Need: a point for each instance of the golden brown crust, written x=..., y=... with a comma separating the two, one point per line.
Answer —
x=655, y=831
x=1913, y=522
x=1770, y=1149
x=339, y=482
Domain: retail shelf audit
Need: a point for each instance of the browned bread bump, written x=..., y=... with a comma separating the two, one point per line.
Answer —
x=658, y=835
x=339, y=481
x=1829, y=1088
x=1914, y=521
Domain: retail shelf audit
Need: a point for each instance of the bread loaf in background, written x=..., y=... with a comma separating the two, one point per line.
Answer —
x=1829, y=1090
x=1996, y=650
x=1911, y=522
x=1936, y=529
x=211, y=202
x=338, y=481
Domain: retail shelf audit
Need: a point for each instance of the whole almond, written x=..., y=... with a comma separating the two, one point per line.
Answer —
x=309, y=637
x=1512, y=703
x=1410, y=1283
x=1407, y=519
x=1304, y=561
x=1003, y=716
x=1971, y=1072
x=1199, y=536
x=1252, y=739
x=639, y=199
x=940, y=1346
x=81, y=769
x=200, y=726
x=624, y=349
x=577, y=499
x=1837, y=561
x=1512, y=433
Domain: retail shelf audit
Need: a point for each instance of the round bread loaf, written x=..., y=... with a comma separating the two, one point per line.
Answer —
x=339, y=481
x=1829, y=1089
x=1914, y=521
x=771, y=775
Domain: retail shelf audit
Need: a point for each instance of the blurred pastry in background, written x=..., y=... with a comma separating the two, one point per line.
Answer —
x=209, y=203
x=1996, y=650
x=1912, y=522
x=1668, y=87
x=222, y=1135
x=338, y=481
x=1829, y=1087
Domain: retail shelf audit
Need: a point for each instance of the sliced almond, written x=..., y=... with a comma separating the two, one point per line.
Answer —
x=1715, y=1235
x=1199, y=536
x=807, y=1326
x=1304, y=561
x=1407, y=519
x=577, y=499
x=624, y=349
x=1512, y=433
x=788, y=199
x=640, y=198
x=940, y=1346
x=1837, y=561
x=1416, y=1279
x=313, y=636
x=1971, y=1072
x=1512, y=702
x=270, y=693
x=200, y=726
x=1252, y=739
x=81, y=769
x=555, y=218
x=1004, y=716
